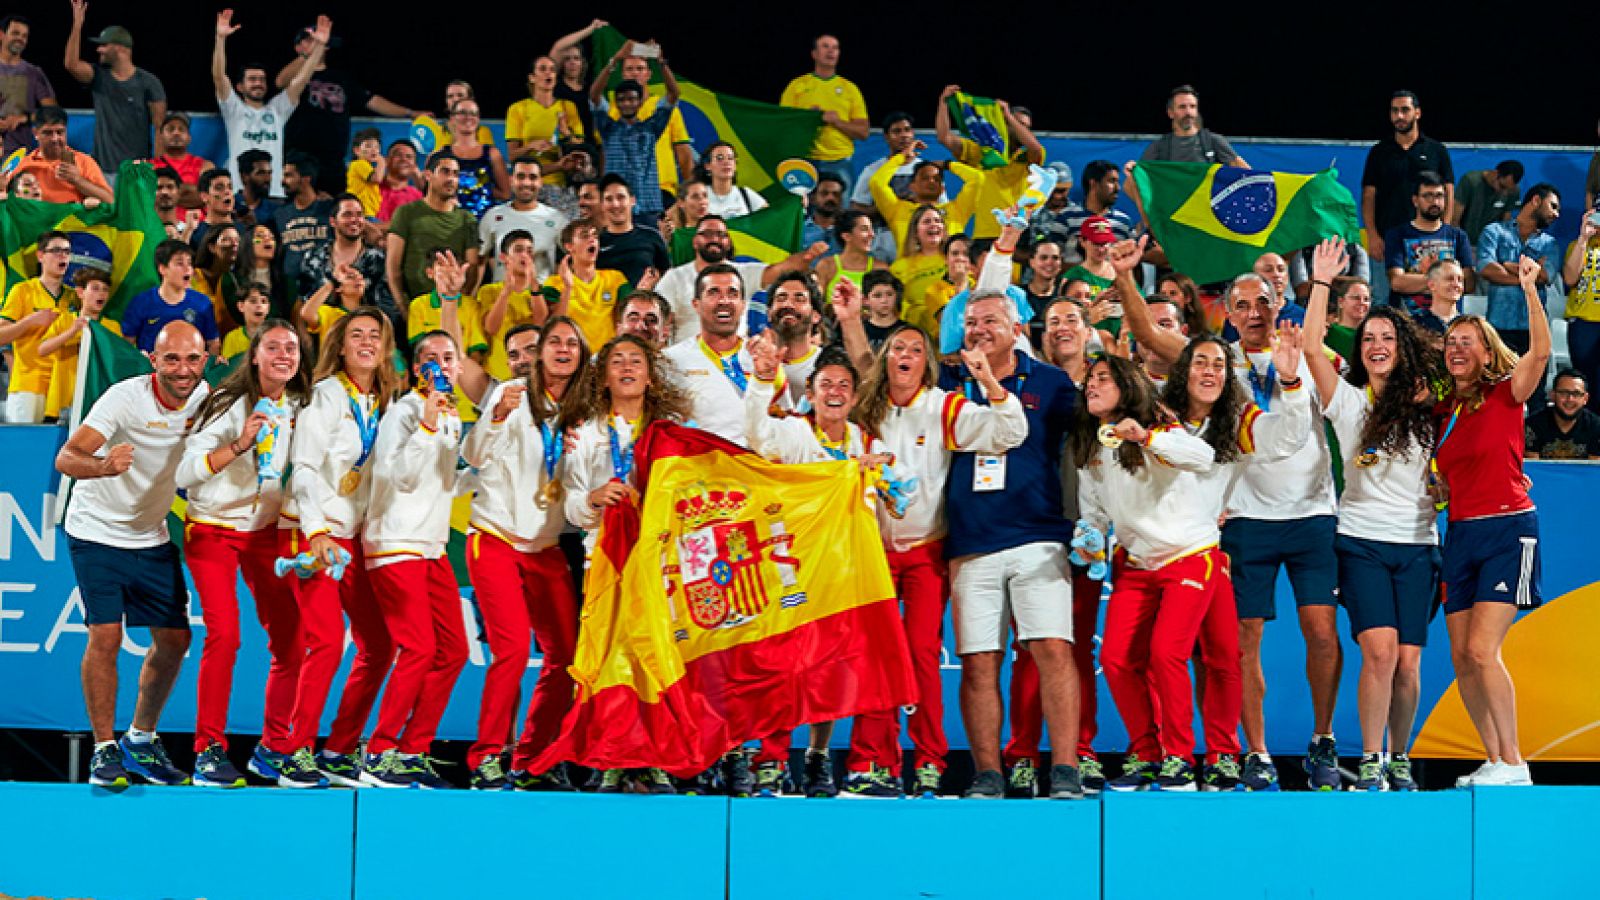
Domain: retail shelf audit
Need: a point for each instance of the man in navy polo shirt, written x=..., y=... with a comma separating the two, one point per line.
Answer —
x=1008, y=553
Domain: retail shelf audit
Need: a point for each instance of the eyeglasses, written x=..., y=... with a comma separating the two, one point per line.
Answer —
x=56, y=251
x=465, y=113
x=1569, y=393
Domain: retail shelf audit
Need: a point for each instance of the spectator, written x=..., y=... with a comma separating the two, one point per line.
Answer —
x=1189, y=140
x=1446, y=284
x=572, y=83
x=926, y=189
x=898, y=133
x=1102, y=184
x=320, y=126
x=483, y=178
x=255, y=199
x=844, y=112
x=524, y=212
x=1359, y=267
x=253, y=122
x=1001, y=187
x=258, y=264
x=581, y=288
x=628, y=141
x=171, y=300
x=64, y=175
x=1394, y=165
x=302, y=222
x=694, y=203
x=674, y=152
x=128, y=101
x=363, y=177
x=1353, y=298
x=728, y=199
x=537, y=125
x=1275, y=271
x=26, y=87
x=1415, y=246
x=62, y=340
x=30, y=310
x=399, y=185
x=713, y=245
x=1095, y=236
x=512, y=300
x=1202, y=314
x=1486, y=195
x=855, y=236
x=646, y=315
x=216, y=198
x=436, y=222
x=166, y=203
x=344, y=250
x=922, y=264
x=175, y=139
x=1043, y=283
x=625, y=246
x=1581, y=273
x=1565, y=429
x=881, y=296
x=214, y=259
x=822, y=211
x=1500, y=249
x=459, y=91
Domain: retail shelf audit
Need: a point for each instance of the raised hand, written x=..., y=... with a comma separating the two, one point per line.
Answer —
x=80, y=9
x=846, y=300
x=648, y=279
x=1129, y=430
x=1329, y=259
x=1126, y=255
x=1528, y=272
x=323, y=31
x=225, y=26
x=764, y=357
x=1290, y=346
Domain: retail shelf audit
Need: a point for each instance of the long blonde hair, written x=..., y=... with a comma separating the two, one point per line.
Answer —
x=913, y=243
x=872, y=400
x=1502, y=359
x=386, y=382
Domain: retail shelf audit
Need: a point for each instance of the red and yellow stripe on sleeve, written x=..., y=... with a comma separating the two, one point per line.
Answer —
x=953, y=404
x=1247, y=428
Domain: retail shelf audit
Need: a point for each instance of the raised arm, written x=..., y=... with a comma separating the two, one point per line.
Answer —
x=1327, y=261
x=1125, y=258
x=996, y=428
x=450, y=277
x=847, y=309
x=80, y=70
x=1578, y=253
x=1280, y=434
x=1529, y=372
x=571, y=40
x=219, y=55
x=319, y=48
x=783, y=440
x=941, y=121
x=597, y=90
x=671, y=83
x=1023, y=135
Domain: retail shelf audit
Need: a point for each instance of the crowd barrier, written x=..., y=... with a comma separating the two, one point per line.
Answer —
x=147, y=843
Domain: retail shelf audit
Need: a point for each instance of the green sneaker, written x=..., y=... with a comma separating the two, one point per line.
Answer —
x=1137, y=775
x=927, y=780
x=1400, y=773
x=769, y=778
x=428, y=778
x=1092, y=774
x=490, y=775
x=1222, y=775
x=1022, y=780
x=611, y=781
x=300, y=771
x=876, y=783
x=1176, y=775
x=655, y=781
x=1369, y=775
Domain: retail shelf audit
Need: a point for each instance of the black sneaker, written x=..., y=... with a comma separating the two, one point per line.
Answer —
x=106, y=769
x=1222, y=775
x=876, y=783
x=818, y=778
x=553, y=781
x=300, y=771
x=149, y=760
x=490, y=775
x=1137, y=775
x=1258, y=774
x=986, y=785
x=389, y=770
x=1022, y=780
x=736, y=774
x=1400, y=773
x=1176, y=775
x=342, y=769
x=770, y=776
x=1066, y=783
x=1092, y=774
x=212, y=768
x=428, y=778
x=706, y=784
x=1322, y=764
x=612, y=781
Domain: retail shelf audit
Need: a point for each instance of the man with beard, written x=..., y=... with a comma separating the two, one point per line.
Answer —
x=1393, y=165
x=64, y=174
x=254, y=199
x=345, y=249
x=437, y=221
x=1565, y=430
x=712, y=245
x=166, y=202
x=128, y=100
x=898, y=133
x=1102, y=184
x=175, y=138
x=302, y=221
x=1189, y=140
x=1414, y=247
x=523, y=212
x=1501, y=248
x=124, y=458
x=251, y=120
x=23, y=87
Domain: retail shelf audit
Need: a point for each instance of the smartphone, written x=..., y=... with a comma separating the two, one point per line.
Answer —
x=647, y=51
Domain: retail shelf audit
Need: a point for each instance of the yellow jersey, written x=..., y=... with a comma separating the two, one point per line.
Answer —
x=835, y=93
x=920, y=274
x=235, y=342
x=30, y=373
x=530, y=120
x=64, y=364
x=1001, y=187
x=1583, y=301
x=897, y=212
x=519, y=310
x=591, y=303
x=358, y=181
x=426, y=314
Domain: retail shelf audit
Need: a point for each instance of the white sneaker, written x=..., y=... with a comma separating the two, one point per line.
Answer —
x=1467, y=780
x=1504, y=774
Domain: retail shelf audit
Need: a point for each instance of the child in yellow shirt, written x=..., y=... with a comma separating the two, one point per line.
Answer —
x=367, y=170
x=254, y=307
x=61, y=340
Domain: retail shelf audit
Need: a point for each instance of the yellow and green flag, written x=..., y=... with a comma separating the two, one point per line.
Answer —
x=770, y=235
x=981, y=121
x=119, y=238
x=1214, y=221
x=763, y=134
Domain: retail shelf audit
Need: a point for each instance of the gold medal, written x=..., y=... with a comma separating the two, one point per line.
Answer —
x=349, y=483
x=1108, y=437
x=551, y=493
x=1366, y=460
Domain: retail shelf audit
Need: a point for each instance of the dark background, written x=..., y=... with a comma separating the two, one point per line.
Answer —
x=1261, y=70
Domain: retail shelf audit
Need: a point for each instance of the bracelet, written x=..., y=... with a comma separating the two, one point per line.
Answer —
x=1326, y=284
x=1290, y=384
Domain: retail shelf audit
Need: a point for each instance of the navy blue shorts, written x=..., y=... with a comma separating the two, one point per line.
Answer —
x=1385, y=585
x=1493, y=560
x=1257, y=547
x=142, y=587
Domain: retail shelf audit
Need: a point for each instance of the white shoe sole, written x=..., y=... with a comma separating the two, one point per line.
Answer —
x=374, y=781
x=342, y=781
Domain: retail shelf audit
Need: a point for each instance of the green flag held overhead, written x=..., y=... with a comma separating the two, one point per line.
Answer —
x=119, y=238
x=770, y=235
x=1213, y=221
x=763, y=134
x=981, y=121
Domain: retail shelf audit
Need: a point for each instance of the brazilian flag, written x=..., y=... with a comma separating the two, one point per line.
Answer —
x=769, y=235
x=982, y=122
x=763, y=134
x=119, y=238
x=1214, y=221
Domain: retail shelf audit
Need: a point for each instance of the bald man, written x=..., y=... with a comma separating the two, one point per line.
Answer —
x=125, y=457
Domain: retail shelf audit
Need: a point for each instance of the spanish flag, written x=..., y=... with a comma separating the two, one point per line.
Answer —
x=747, y=598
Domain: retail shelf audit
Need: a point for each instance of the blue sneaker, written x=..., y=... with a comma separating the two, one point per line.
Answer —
x=1137, y=775
x=389, y=770
x=1176, y=775
x=1370, y=774
x=876, y=783
x=106, y=769
x=1322, y=765
x=1399, y=771
x=1258, y=775
x=266, y=763
x=342, y=769
x=300, y=771
x=428, y=778
x=149, y=760
x=212, y=768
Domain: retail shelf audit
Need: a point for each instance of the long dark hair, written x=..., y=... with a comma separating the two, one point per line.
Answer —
x=245, y=380
x=1138, y=402
x=569, y=409
x=1222, y=426
x=1398, y=422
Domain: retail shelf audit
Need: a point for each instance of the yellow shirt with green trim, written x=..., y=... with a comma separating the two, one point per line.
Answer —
x=1001, y=187
x=897, y=211
x=30, y=373
x=530, y=120
x=835, y=93
x=357, y=180
x=519, y=311
x=591, y=303
x=235, y=342
x=64, y=363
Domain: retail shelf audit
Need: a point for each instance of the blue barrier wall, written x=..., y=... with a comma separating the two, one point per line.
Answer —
x=42, y=633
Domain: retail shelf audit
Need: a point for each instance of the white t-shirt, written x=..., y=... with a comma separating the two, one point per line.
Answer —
x=1295, y=488
x=130, y=510
x=1387, y=499
x=677, y=285
x=738, y=202
x=543, y=222
x=256, y=128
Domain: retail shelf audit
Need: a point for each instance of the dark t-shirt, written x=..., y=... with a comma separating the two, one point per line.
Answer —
x=23, y=87
x=122, y=125
x=1402, y=246
x=1480, y=205
x=1204, y=146
x=1545, y=440
x=299, y=230
x=1392, y=171
x=877, y=334
x=631, y=252
x=320, y=125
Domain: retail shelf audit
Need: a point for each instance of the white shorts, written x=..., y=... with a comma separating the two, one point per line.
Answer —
x=1031, y=584
x=24, y=408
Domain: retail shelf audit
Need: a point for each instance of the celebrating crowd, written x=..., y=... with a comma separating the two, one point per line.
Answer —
x=408, y=327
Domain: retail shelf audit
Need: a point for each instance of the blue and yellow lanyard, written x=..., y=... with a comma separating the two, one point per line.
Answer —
x=621, y=459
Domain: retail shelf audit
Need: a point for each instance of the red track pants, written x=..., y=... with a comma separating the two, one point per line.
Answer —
x=519, y=594
x=421, y=606
x=1025, y=709
x=324, y=604
x=1152, y=624
x=922, y=582
x=216, y=557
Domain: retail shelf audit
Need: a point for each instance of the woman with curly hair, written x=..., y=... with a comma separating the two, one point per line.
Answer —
x=1491, y=547
x=1387, y=540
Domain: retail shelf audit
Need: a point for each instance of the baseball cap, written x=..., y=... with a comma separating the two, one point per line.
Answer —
x=175, y=116
x=1097, y=230
x=114, y=34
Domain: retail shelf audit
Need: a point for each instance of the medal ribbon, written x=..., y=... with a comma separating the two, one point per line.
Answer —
x=730, y=366
x=366, y=425
x=621, y=460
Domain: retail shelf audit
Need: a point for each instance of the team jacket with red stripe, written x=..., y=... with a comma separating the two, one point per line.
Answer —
x=1265, y=438
x=1160, y=511
x=326, y=446
x=413, y=484
x=232, y=498
x=509, y=455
